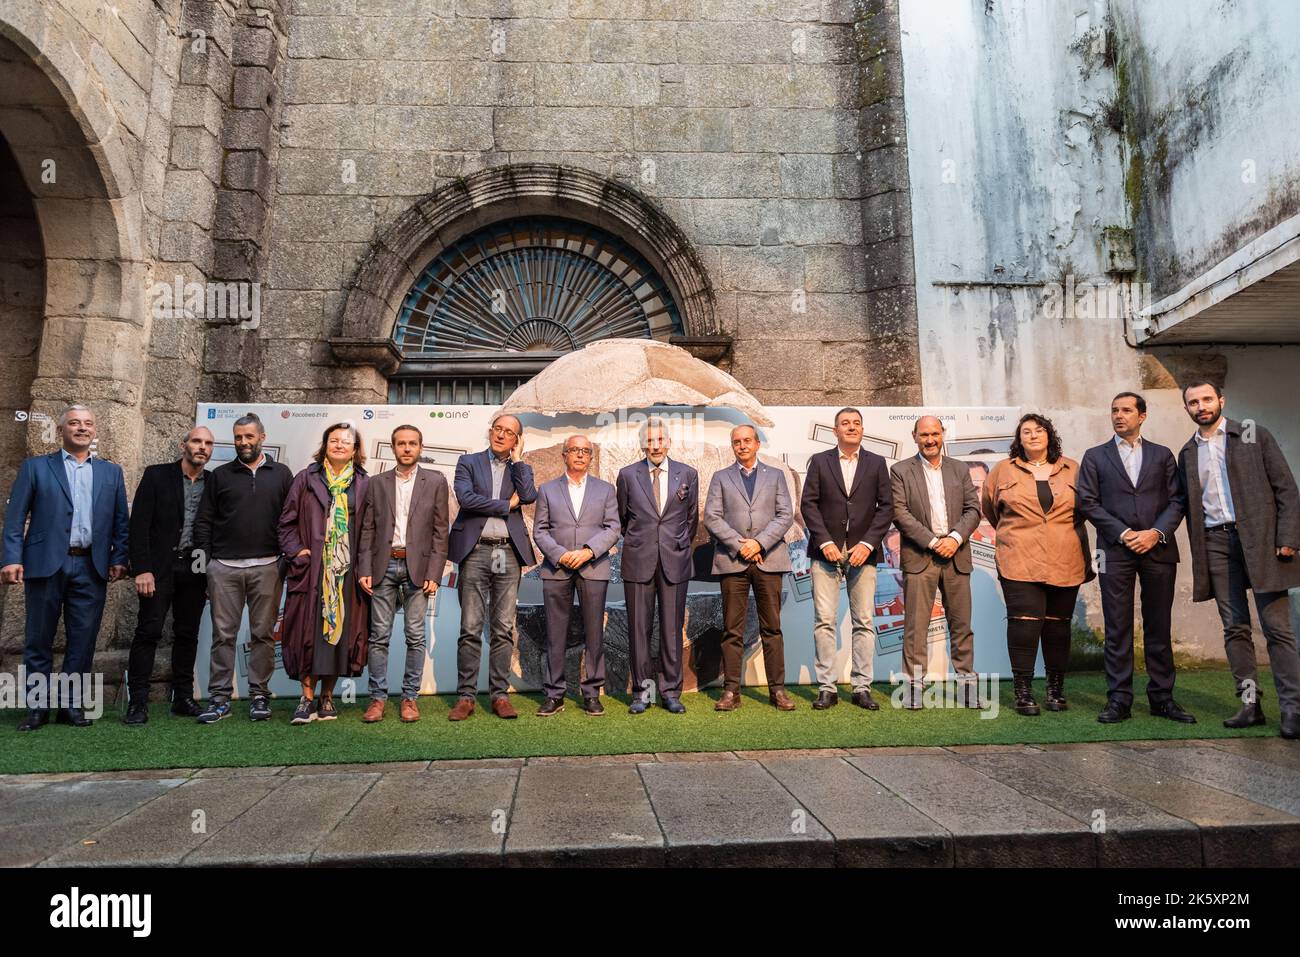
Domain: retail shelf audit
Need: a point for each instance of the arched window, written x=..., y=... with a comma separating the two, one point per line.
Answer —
x=500, y=303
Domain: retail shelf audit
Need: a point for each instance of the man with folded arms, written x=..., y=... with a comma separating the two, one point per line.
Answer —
x=401, y=555
x=748, y=511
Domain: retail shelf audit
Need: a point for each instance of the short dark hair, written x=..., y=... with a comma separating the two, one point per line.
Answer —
x=406, y=428
x=1138, y=400
x=1197, y=383
x=358, y=449
x=847, y=408
x=1053, y=440
x=251, y=418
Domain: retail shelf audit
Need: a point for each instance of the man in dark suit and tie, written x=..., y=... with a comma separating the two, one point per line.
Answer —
x=401, y=555
x=659, y=508
x=847, y=505
x=1128, y=489
x=936, y=508
x=490, y=543
x=74, y=546
x=748, y=511
x=167, y=576
x=575, y=526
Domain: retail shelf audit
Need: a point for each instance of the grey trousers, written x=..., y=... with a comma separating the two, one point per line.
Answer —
x=396, y=588
x=861, y=585
x=918, y=602
x=1229, y=580
x=229, y=590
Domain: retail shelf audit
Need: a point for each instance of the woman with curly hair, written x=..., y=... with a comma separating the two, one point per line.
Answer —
x=1042, y=554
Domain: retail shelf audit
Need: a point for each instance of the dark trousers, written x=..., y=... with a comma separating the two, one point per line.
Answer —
x=641, y=597
x=557, y=593
x=735, y=608
x=1123, y=570
x=488, y=586
x=76, y=593
x=1037, y=611
x=1229, y=580
x=185, y=593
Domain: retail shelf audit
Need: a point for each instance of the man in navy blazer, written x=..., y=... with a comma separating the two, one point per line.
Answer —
x=74, y=546
x=490, y=543
x=575, y=526
x=1129, y=490
x=847, y=505
x=659, y=508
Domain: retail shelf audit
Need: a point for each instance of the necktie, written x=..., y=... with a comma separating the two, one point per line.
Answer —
x=654, y=480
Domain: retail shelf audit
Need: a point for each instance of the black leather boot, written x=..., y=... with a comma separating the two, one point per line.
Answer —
x=1025, y=703
x=1056, y=691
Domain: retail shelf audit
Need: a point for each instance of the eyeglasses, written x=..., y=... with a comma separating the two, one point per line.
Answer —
x=502, y=430
x=578, y=451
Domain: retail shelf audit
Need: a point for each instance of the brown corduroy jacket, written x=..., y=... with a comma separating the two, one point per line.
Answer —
x=1030, y=546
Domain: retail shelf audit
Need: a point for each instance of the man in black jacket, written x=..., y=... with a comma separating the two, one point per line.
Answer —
x=163, y=512
x=237, y=533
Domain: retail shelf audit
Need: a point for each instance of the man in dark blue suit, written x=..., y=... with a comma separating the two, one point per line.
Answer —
x=659, y=509
x=74, y=546
x=1129, y=490
x=490, y=543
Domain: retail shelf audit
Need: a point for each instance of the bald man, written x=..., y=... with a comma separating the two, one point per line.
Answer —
x=936, y=508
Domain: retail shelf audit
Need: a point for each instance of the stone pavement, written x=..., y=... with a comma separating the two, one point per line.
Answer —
x=1173, y=804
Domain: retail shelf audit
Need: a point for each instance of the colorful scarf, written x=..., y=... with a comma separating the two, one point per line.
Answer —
x=338, y=554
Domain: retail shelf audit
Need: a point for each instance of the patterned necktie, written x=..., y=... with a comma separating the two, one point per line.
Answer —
x=654, y=480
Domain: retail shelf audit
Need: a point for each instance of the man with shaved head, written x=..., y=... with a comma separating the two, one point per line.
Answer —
x=163, y=511
x=936, y=508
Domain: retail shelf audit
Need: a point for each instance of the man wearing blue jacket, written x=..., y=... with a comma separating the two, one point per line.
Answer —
x=74, y=545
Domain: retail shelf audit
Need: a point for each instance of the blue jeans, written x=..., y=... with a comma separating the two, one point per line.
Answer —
x=489, y=583
x=394, y=588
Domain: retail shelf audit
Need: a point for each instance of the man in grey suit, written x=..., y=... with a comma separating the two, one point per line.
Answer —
x=748, y=511
x=401, y=554
x=936, y=508
x=574, y=527
x=1243, y=523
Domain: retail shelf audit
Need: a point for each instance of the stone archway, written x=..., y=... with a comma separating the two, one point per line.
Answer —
x=433, y=223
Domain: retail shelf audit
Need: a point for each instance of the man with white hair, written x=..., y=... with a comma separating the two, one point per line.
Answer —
x=74, y=546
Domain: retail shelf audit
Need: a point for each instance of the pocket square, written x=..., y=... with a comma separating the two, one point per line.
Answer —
x=681, y=493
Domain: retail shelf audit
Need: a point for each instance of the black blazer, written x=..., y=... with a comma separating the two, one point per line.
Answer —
x=833, y=513
x=157, y=516
x=1109, y=499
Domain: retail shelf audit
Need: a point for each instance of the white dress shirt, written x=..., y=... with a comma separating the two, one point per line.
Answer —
x=938, y=501
x=405, y=486
x=1131, y=456
x=576, y=492
x=1212, y=464
x=663, y=481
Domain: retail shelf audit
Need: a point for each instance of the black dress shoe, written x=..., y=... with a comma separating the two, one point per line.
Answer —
x=1291, y=726
x=550, y=706
x=137, y=713
x=36, y=718
x=1115, y=712
x=863, y=699
x=75, y=717
x=1171, y=710
x=186, y=707
x=825, y=700
x=593, y=707
x=1249, y=716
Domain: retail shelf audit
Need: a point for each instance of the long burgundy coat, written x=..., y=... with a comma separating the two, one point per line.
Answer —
x=302, y=525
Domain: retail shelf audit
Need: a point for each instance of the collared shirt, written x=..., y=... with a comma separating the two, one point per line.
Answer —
x=81, y=485
x=576, y=492
x=405, y=486
x=1212, y=464
x=748, y=478
x=191, y=493
x=663, y=481
x=1131, y=456
x=849, y=468
x=938, y=501
x=496, y=527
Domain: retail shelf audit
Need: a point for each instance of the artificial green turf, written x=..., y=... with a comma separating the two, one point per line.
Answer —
x=168, y=742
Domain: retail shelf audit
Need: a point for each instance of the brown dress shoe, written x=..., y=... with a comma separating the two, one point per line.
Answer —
x=729, y=701
x=781, y=700
x=374, y=712
x=410, y=711
x=502, y=708
x=464, y=708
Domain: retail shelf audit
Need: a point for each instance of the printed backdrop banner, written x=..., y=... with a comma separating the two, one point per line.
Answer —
x=701, y=438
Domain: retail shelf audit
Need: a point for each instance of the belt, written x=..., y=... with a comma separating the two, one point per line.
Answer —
x=398, y=553
x=494, y=541
x=78, y=550
x=1225, y=527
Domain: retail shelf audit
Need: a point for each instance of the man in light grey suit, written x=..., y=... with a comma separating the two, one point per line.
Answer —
x=575, y=526
x=936, y=508
x=748, y=511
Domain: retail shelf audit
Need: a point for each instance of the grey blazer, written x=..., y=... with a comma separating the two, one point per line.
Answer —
x=557, y=530
x=1266, y=504
x=730, y=516
x=912, y=512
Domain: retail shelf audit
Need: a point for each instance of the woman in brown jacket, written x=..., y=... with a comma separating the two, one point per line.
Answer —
x=326, y=616
x=1042, y=555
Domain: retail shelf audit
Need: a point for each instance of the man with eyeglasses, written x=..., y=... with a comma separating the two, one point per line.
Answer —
x=575, y=526
x=489, y=542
